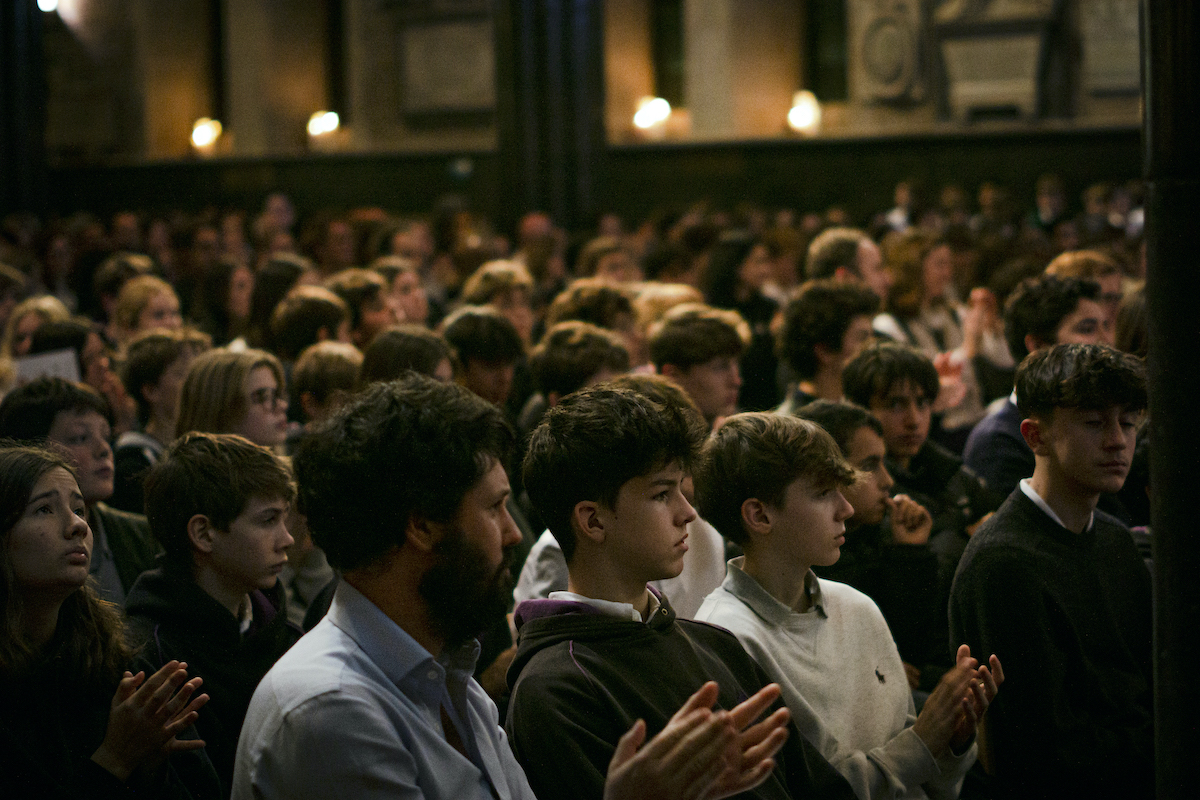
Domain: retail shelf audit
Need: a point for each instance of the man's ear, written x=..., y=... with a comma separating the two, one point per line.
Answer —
x=1032, y=430
x=422, y=533
x=756, y=517
x=201, y=533
x=587, y=520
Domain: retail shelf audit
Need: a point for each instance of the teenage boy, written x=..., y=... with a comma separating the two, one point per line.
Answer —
x=77, y=420
x=545, y=568
x=1040, y=313
x=1057, y=589
x=774, y=485
x=898, y=385
x=405, y=491
x=217, y=505
x=887, y=554
x=698, y=347
x=825, y=324
x=606, y=469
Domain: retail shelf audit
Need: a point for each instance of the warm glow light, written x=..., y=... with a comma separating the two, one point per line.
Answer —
x=49, y=6
x=205, y=132
x=651, y=111
x=322, y=122
x=805, y=116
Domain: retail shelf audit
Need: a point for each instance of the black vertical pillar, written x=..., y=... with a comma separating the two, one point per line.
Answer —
x=1171, y=81
x=22, y=108
x=550, y=107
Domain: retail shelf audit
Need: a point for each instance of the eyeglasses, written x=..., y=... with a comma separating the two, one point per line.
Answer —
x=267, y=397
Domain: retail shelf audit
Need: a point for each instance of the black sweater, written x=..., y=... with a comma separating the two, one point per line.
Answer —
x=173, y=618
x=1069, y=617
x=581, y=679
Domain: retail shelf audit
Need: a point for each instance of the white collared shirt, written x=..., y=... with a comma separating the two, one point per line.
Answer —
x=1029, y=491
x=622, y=610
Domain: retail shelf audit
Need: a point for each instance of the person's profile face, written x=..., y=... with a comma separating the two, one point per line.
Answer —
x=869, y=494
x=470, y=582
x=904, y=412
x=84, y=437
x=646, y=530
x=871, y=270
x=265, y=420
x=809, y=528
x=252, y=553
x=23, y=332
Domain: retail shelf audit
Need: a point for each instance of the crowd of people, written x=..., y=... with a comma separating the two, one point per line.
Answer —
x=722, y=502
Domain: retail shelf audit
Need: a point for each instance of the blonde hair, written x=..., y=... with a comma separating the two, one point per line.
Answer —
x=213, y=398
x=133, y=298
x=46, y=306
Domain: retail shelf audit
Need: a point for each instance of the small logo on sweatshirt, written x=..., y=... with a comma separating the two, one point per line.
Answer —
x=879, y=675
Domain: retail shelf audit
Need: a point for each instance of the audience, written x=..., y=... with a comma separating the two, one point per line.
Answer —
x=518, y=332
x=606, y=470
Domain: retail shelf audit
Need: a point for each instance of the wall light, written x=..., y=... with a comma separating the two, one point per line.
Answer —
x=651, y=112
x=205, y=133
x=49, y=6
x=323, y=122
x=805, y=115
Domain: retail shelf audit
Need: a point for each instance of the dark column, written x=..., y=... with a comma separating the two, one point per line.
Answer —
x=22, y=108
x=550, y=83
x=1171, y=68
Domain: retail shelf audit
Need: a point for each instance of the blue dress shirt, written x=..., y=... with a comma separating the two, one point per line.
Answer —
x=354, y=709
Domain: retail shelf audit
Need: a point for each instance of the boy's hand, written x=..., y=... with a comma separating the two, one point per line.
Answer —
x=983, y=689
x=911, y=523
x=700, y=754
x=940, y=722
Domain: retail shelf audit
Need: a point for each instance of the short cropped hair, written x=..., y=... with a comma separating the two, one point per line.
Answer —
x=820, y=312
x=1083, y=376
x=480, y=333
x=400, y=348
x=150, y=354
x=873, y=372
x=214, y=474
x=594, y=442
x=662, y=390
x=494, y=280
x=596, y=249
x=833, y=248
x=298, y=319
x=590, y=300
x=840, y=419
x=1039, y=305
x=693, y=333
x=213, y=397
x=326, y=369
x=27, y=412
x=356, y=287
x=403, y=450
x=570, y=353
x=758, y=455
